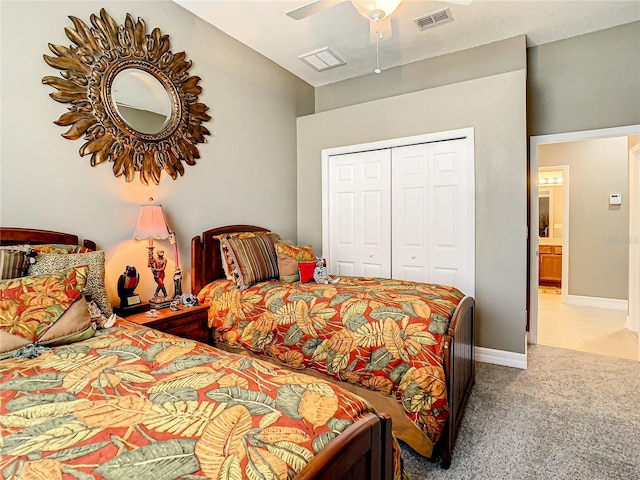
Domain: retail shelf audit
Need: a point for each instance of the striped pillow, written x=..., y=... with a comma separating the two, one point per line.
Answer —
x=255, y=259
x=227, y=260
x=13, y=264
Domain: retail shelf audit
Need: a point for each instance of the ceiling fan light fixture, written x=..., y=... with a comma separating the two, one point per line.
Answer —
x=376, y=10
x=376, y=15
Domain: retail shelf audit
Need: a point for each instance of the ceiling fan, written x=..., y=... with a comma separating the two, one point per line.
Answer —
x=377, y=11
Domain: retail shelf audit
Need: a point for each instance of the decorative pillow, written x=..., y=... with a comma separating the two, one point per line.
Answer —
x=255, y=259
x=54, y=262
x=74, y=324
x=306, y=271
x=30, y=254
x=13, y=264
x=29, y=306
x=227, y=259
x=288, y=258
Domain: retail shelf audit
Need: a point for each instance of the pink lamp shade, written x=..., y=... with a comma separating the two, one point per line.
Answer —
x=151, y=223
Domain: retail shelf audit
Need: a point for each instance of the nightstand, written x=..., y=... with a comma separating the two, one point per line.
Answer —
x=187, y=322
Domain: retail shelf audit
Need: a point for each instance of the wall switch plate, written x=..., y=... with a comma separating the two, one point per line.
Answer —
x=615, y=199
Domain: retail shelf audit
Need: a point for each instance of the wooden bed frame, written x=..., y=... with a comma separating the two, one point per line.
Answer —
x=362, y=452
x=17, y=236
x=459, y=349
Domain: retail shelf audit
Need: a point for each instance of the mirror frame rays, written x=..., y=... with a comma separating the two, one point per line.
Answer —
x=88, y=68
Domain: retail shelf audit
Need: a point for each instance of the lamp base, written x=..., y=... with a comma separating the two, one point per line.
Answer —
x=160, y=302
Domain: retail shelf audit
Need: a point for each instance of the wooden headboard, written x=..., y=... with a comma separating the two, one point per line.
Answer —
x=206, y=262
x=18, y=235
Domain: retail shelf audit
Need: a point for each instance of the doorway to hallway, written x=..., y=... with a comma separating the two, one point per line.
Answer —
x=591, y=313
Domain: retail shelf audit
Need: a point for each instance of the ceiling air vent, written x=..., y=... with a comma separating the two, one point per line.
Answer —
x=322, y=59
x=433, y=19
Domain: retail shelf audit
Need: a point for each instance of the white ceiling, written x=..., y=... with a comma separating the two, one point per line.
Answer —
x=263, y=26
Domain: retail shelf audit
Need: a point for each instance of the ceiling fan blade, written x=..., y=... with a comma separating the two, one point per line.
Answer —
x=311, y=8
x=381, y=27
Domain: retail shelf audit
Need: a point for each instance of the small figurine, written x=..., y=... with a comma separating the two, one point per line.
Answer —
x=189, y=300
x=158, y=266
x=127, y=283
x=177, y=273
x=320, y=274
x=177, y=283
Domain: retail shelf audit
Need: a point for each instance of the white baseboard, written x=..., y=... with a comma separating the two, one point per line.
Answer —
x=501, y=357
x=597, y=302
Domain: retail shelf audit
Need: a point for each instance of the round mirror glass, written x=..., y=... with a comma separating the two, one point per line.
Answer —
x=141, y=100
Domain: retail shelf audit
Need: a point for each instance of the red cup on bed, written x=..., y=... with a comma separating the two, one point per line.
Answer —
x=306, y=271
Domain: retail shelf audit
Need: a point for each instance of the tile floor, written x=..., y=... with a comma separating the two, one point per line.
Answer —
x=595, y=330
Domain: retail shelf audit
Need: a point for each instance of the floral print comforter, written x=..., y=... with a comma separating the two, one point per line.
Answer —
x=135, y=403
x=385, y=335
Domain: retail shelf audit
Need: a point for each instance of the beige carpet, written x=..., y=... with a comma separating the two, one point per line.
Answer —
x=570, y=415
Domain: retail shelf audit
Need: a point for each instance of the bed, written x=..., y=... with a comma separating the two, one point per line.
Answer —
x=133, y=402
x=454, y=373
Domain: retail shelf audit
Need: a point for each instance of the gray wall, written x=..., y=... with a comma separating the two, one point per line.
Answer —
x=598, y=251
x=478, y=62
x=247, y=169
x=495, y=106
x=584, y=83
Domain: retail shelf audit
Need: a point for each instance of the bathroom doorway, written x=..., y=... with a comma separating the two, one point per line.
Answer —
x=553, y=223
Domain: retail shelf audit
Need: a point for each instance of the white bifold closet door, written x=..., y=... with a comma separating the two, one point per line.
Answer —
x=432, y=238
x=403, y=212
x=360, y=214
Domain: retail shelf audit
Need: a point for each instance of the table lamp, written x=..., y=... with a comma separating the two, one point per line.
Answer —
x=151, y=225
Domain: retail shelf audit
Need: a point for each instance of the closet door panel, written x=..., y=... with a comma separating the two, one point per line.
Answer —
x=450, y=215
x=359, y=214
x=446, y=276
x=431, y=214
x=344, y=268
x=409, y=214
x=345, y=203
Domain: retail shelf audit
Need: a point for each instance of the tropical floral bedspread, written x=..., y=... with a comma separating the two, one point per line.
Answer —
x=385, y=335
x=134, y=403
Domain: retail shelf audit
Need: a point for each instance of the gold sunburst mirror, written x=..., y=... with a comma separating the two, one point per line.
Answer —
x=131, y=98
